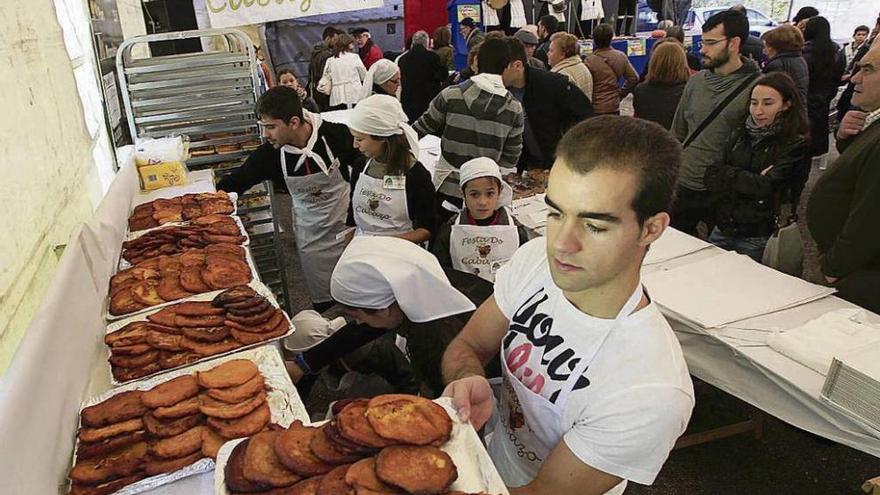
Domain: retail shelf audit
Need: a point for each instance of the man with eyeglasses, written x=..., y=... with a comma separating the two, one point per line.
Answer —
x=714, y=103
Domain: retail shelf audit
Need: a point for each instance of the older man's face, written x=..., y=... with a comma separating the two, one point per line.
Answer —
x=866, y=93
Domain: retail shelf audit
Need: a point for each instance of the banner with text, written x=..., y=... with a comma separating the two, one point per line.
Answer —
x=229, y=13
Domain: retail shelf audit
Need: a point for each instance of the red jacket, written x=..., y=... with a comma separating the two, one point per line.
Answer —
x=370, y=54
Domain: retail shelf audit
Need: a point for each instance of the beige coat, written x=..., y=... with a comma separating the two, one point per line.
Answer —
x=577, y=73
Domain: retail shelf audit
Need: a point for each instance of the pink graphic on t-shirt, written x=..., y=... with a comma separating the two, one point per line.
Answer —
x=516, y=360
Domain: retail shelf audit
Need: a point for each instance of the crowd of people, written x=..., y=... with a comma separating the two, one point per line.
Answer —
x=439, y=262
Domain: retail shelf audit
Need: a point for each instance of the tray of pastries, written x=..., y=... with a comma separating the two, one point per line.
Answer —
x=180, y=209
x=390, y=444
x=140, y=436
x=200, y=328
x=529, y=183
x=174, y=239
x=158, y=281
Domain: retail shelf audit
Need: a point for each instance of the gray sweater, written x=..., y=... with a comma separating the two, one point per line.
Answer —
x=472, y=122
x=703, y=92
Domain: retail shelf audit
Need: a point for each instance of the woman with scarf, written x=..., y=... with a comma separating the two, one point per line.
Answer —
x=747, y=183
x=383, y=78
x=392, y=195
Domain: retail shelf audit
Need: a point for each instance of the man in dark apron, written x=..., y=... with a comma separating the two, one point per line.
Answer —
x=309, y=159
x=594, y=389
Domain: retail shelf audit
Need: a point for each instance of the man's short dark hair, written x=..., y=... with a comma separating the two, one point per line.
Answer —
x=736, y=25
x=280, y=103
x=329, y=31
x=493, y=57
x=651, y=152
x=862, y=28
x=517, y=50
x=550, y=23
x=602, y=35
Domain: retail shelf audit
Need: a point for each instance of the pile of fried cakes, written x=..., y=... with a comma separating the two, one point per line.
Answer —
x=211, y=229
x=525, y=186
x=187, y=207
x=169, y=278
x=385, y=445
x=186, y=332
x=137, y=434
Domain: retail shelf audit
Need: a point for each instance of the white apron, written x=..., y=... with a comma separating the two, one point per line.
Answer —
x=320, y=205
x=490, y=15
x=482, y=250
x=517, y=14
x=380, y=208
x=538, y=423
x=591, y=9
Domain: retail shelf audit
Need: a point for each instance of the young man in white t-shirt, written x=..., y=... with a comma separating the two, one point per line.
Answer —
x=595, y=388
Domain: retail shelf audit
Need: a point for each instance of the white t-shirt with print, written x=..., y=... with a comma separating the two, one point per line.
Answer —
x=635, y=397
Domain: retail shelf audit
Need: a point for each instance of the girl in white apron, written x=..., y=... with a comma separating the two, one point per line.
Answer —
x=393, y=194
x=483, y=236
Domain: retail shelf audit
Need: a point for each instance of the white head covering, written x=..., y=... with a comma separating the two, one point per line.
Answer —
x=382, y=115
x=485, y=167
x=380, y=72
x=375, y=271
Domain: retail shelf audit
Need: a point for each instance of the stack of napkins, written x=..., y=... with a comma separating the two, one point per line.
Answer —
x=726, y=288
x=531, y=212
x=816, y=343
x=853, y=385
x=673, y=244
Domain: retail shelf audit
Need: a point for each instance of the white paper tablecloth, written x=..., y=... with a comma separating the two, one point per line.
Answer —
x=737, y=360
x=61, y=360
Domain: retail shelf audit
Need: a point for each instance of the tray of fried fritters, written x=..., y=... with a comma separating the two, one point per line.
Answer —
x=390, y=444
x=168, y=278
x=187, y=332
x=180, y=209
x=137, y=437
x=175, y=239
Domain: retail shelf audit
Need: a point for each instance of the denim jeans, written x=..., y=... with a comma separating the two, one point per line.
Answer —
x=753, y=247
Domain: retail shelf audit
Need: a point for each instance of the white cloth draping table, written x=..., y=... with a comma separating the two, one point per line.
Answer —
x=62, y=359
x=736, y=359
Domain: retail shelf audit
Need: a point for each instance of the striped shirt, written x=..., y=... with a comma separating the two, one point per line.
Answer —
x=474, y=123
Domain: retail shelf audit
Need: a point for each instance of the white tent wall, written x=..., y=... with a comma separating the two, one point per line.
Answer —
x=57, y=159
x=844, y=15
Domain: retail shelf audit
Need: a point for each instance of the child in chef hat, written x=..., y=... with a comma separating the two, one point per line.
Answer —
x=484, y=235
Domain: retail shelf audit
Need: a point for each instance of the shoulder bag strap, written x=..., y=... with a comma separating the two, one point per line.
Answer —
x=717, y=110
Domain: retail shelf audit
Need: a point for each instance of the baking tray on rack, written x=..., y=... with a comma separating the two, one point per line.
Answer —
x=284, y=402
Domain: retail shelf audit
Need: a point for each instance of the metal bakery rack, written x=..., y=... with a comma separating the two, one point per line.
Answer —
x=208, y=96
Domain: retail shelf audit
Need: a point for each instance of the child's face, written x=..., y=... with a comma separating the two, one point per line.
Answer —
x=481, y=197
x=288, y=80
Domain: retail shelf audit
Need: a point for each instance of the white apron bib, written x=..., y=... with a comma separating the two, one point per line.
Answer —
x=517, y=14
x=490, y=15
x=320, y=205
x=529, y=426
x=482, y=250
x=380, y=210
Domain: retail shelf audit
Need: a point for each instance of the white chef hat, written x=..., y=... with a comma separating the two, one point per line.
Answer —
x=485, y=167
x=375, y=271
x=382, y=115
x=380, y=72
